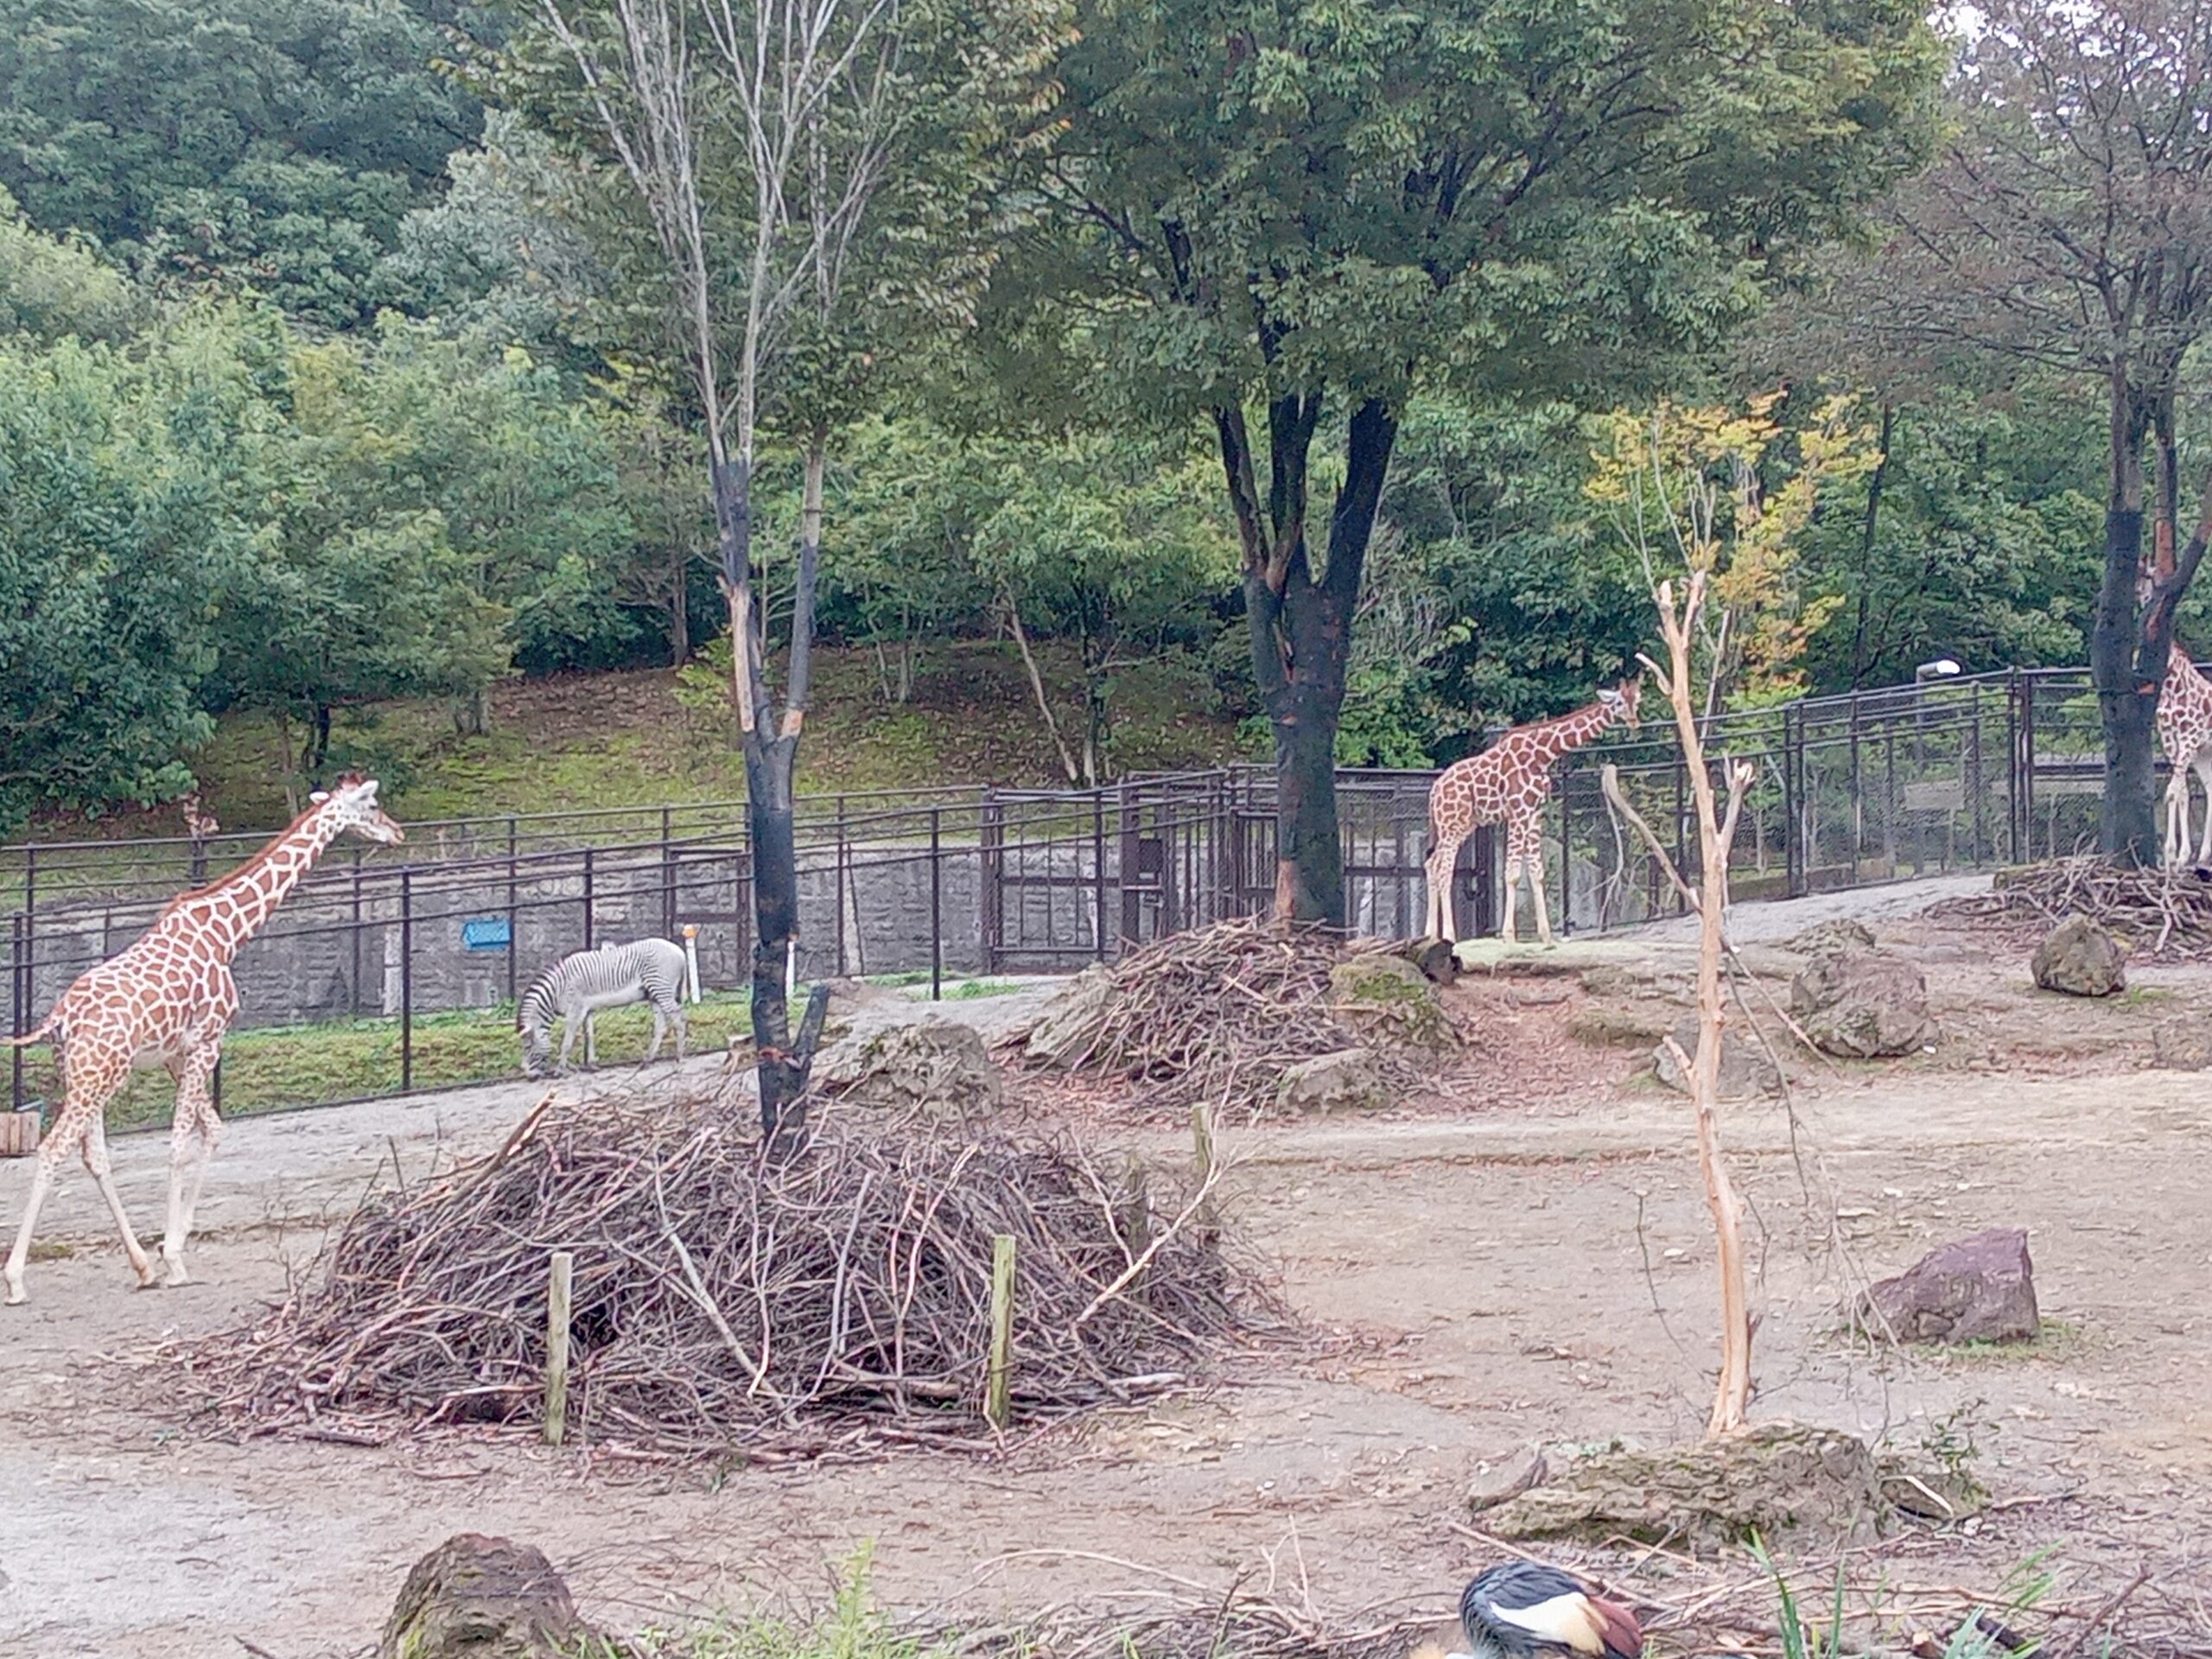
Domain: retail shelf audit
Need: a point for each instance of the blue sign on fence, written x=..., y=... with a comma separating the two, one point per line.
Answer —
x=486, y=933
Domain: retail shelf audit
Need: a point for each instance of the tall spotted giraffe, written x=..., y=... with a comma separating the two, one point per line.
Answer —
x=169, y=1000
x=1508, y=783
x=2185, y=734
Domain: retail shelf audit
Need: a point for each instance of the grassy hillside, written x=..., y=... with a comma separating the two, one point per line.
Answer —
x=624, y=739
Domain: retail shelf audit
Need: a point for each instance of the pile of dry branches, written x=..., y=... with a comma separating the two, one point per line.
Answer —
x=836, y=1301
x=1216, y=1013
x=2161, y=911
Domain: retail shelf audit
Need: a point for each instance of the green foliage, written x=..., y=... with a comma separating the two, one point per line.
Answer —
x=1114, y=545
x=50, y=286
x=1967, y=544
x=272, y=145
x=1365, y=201
x=107, y=533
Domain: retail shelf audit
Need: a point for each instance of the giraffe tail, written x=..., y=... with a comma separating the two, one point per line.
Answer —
x=38, y=1034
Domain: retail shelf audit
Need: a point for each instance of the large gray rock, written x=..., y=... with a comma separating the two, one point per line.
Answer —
x=1863, y=1004
x=1388, y=999
x=1345, y=1081
x=1746, y=1073
x=2080, y=959
x=938, y=1071
x=480, y=1598
x=1825, y=939
x=1980, y=1289
x=1064, y=1034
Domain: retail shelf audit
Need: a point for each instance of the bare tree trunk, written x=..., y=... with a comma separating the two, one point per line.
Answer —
x=1716, y=833
x=679, y=607
x=1037, y=685
x=2128, y=702
x=1301, y=627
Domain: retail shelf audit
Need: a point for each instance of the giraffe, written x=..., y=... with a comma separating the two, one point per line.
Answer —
x=167, y=1000
x=1508, y=783
x=2185, y=733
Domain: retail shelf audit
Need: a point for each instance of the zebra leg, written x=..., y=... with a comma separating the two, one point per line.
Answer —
x=569, y=1024
x=683, y=1027
x=660, y=1029
x=591, y=1037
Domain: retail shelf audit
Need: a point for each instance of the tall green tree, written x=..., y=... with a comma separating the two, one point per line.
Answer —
x=107, y=537
x=1306, y=211
x=265, y=144
x=757, y=138
x=2068, y=227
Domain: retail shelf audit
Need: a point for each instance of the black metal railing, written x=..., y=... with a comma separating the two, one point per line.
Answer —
x=408, y=961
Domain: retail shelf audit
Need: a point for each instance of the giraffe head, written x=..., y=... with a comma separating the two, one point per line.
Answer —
x=351, y=803
x=1620, y=700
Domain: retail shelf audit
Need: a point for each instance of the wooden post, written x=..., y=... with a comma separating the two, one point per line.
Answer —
x=19, y=1132
x=998, y=1403
x=1202, y=1158
x=1132, y=1216
x=558, y=1293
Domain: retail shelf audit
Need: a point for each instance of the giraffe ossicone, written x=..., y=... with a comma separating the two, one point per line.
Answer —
x=167, y=1001
x=1508, y=783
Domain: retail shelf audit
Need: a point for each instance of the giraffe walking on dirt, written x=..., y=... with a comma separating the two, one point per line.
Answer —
x=2185, y=734
x=169, y=1000
x=1508, y=783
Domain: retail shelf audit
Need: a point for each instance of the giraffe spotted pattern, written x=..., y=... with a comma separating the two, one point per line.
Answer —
x=1508, y=783
x=167, y=1001
x=2185, y=734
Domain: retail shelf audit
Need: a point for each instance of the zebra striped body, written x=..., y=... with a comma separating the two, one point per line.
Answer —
x=612, y=976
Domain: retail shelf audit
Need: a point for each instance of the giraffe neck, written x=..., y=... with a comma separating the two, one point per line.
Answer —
x=225, y=915
x=1556, y=737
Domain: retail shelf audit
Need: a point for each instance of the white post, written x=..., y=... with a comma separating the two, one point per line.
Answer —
x=690, y=961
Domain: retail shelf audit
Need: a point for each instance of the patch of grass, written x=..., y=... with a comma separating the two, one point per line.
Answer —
x=2142, y=996
x=291, y=1065
x=852, y=1628
x=966, y=990
x=622, y=740
x=2055, y=1339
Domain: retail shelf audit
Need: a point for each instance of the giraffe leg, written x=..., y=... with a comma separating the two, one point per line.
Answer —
x=2178, y=815
x=42, y=1182
x=1535, y=859
x=96, y=1162
x=1437, y=922
x=1512, y=895
x=191, y=1143
x=211, y=1131
x=2204, y=770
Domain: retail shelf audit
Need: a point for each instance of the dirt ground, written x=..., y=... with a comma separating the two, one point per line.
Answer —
x=1522, y=1256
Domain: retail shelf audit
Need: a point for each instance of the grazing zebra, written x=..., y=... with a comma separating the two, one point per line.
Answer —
x=613, y=976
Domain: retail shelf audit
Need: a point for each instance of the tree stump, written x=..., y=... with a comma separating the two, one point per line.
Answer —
x=480, y=1598
x=1774, y=1477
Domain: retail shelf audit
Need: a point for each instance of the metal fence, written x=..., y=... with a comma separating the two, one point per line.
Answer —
x=407, y=963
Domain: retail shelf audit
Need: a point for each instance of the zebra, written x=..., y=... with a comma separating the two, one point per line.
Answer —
x=610, y=976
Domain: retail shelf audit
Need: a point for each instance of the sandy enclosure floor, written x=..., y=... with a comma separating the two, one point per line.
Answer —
x=1522, y=1256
